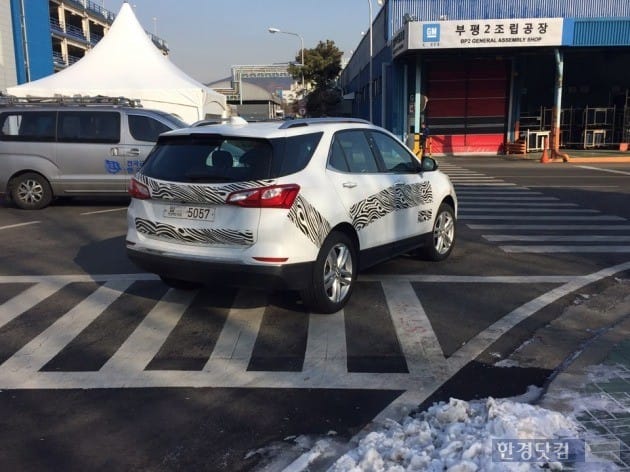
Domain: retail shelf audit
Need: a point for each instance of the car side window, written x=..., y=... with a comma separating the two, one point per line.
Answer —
x=28, y=126
x=353, y=146
x=297, y=153
x=88, y=127
x=338, y=157
x=395, y=156
x=145, y=128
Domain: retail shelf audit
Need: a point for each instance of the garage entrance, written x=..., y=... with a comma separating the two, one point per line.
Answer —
x=468, y=105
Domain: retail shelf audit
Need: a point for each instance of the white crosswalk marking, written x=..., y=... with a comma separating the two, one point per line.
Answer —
x=237, y=339
x=507, y=192
x=493, y=200
x=44, y=347
x=326, y=351
x=417, y=338
x=501, y=227
x=567, y=249
x=326, y=348
x=513, y=209
x=546, y=238
x=512, y=204
x=28, y=299
x=504, y=206
x=508, y=216
x=147, y=339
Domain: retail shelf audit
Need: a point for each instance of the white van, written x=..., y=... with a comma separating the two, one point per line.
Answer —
x=61, y=149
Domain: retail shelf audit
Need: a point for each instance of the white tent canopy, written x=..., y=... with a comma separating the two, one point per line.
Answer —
x=126, y=63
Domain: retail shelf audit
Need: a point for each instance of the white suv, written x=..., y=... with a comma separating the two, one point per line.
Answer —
x=299, y=205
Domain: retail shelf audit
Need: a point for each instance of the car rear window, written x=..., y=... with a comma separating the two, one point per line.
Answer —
x=219, y=159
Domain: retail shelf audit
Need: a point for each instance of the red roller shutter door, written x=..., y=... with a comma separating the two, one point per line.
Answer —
x=467, y=108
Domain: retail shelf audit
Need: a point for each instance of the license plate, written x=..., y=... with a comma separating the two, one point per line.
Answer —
x=189, y=213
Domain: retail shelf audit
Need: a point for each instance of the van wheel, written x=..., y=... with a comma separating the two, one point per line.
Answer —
x=30, y=191
x=442, y=239
x=180, y=284
x=334, y=274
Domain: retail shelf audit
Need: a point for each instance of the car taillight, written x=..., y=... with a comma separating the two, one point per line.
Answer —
x=275, y=196
x=138, y=190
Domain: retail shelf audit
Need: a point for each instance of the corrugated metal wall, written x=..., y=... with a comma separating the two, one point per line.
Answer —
x=601, y=32
x=434, y=10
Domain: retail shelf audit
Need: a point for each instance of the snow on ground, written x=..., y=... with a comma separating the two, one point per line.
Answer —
x=458, y=436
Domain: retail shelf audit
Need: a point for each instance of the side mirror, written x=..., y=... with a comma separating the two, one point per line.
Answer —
x=428, y=164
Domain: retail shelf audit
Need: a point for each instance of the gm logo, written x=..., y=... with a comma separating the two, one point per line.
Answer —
x=431, y=33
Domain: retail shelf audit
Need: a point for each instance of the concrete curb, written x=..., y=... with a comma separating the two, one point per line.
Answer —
x=625, y=159
x=576, y=160
x=599, y=160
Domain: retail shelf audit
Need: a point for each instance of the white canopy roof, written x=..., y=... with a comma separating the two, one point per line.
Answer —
x=127, y=63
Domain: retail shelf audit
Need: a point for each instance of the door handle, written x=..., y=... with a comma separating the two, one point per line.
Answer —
x=349, y=184
x=133, y=152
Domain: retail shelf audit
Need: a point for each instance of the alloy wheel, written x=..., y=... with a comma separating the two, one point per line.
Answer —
x=30, y=191
x=338, y=272
x=443, y=232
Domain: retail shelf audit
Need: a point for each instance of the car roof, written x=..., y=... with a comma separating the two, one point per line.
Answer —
x=272, y=129
x=72, y=107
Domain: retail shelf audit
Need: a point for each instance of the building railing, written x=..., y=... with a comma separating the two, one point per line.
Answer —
x=56, y=25
x=95, y=38
x=75, y=32
x=159, y=42
x=71, y=31
x=93, y=8
x=58, y=59
x=99, y=10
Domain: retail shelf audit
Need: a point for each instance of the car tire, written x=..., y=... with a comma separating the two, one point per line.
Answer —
x=180, y=284
x=30, y=191
x=334, y=275
x=441, y=241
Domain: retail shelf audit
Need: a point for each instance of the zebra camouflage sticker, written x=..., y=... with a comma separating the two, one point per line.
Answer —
x=425, y=215
x=397, y=197
x=309, y=221
x=196, y=193
x=229, y=237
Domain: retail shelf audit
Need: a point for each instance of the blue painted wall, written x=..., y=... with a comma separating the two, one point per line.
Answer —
x=601, y=32
x=35, y=28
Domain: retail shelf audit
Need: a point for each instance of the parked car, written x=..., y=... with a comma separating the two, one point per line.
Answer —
x=300, y=205
x=50, y=149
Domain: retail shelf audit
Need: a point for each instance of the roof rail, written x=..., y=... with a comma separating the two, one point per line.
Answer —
x=316, y=121
x=73, y=100
x=232, y=120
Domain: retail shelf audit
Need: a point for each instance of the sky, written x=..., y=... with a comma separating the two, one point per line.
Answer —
x=464, y=436
x=207, y=37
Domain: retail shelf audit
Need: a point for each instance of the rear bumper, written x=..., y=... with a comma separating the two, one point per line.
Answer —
x=286, y=276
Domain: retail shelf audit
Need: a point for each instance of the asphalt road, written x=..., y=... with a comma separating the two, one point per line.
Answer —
x=102, y=367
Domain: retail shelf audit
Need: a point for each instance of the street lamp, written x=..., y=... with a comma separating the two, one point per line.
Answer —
x=370, y=87
x=276, y=30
